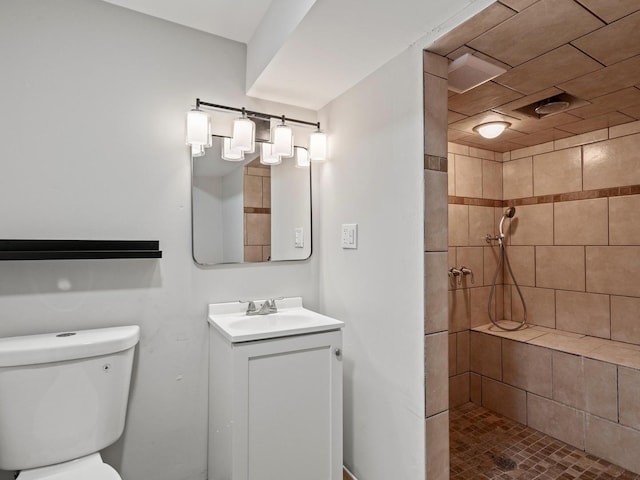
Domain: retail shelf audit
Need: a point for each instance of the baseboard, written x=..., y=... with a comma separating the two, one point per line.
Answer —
x=347, y=475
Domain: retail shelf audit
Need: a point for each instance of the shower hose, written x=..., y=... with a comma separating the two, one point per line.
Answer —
x=504, y=259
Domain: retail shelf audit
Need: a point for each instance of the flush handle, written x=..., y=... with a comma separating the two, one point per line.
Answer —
x=338, y=352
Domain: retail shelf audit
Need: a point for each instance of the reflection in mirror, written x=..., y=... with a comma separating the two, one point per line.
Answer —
x=244, y=211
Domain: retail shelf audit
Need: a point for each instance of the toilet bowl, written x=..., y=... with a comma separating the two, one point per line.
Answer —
x=63, y=398
x=90, y=467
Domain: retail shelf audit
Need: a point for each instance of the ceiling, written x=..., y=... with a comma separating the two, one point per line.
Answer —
x=587, y=48
x=308, y=52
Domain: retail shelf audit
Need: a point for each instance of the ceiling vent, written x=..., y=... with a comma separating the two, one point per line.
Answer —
x=552, y=105
x=467, y=72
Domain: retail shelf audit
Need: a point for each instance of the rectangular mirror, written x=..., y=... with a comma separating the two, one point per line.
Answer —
x=244, y=211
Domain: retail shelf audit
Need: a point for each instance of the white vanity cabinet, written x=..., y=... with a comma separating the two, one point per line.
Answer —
x=275, y=406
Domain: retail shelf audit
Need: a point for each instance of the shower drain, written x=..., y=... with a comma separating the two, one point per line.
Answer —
x=504, y=463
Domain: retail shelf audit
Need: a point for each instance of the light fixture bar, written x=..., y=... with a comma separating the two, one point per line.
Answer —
x=254, y=113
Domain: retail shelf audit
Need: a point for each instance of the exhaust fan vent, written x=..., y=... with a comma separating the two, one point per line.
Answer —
x=467, y=72
x=552, y=105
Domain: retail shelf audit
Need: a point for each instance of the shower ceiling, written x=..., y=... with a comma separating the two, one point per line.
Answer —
x=589, y=49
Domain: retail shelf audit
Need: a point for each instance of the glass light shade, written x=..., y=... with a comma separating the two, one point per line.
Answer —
x=244, y=135
x=197, y=150
x=302, y=157
x=318, y=146
x=282, y=140
x=491, y=129
x=267, y=157
x=198, y=128
x=229, y=153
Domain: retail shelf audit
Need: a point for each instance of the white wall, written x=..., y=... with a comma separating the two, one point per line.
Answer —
x=374, y=178
x=92, y=146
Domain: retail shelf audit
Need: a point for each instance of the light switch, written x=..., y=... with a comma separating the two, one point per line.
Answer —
x=299, y=242
x=349, y=235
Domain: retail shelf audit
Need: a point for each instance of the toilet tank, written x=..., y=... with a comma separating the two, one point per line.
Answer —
x=63, y=396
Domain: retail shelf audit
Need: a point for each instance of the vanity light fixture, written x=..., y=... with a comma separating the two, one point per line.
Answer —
x=197, y=150
x=267, y=157
x=244, y=134
x=199, y=128
x=244, y=131
x=491, y=129
x=229, y=153
x=318, y=145
x=302, y=157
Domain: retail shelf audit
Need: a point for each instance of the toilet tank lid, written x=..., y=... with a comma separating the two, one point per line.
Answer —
x=71, y=345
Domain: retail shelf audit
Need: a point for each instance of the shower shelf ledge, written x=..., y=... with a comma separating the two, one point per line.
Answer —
x=78, y=249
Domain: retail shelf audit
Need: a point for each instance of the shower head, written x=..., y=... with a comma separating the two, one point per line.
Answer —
x=510, y=212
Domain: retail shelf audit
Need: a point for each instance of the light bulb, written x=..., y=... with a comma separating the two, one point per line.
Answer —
x=282, y=140
x=244, y=135
x=231, y=154
x=302, y=157
x=318, y=146
x=198, y=128
x=267, y=157
x=491, y=129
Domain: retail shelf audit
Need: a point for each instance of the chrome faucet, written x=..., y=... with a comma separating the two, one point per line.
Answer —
x=267, y=307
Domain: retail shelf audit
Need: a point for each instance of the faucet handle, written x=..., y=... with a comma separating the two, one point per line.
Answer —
x=467, y=271
x=272, y=304
x=251, y=308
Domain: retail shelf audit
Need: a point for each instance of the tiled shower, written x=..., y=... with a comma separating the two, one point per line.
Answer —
x=574, y=245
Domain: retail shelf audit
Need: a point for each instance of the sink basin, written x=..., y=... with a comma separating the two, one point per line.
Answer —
x=291, y=319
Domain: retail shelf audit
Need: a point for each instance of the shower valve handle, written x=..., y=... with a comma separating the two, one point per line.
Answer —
x=467, y=271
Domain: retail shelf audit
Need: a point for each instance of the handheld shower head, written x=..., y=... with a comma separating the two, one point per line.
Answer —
x=508, y=213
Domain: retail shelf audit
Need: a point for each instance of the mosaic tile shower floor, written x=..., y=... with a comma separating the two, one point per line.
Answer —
x=486, y=445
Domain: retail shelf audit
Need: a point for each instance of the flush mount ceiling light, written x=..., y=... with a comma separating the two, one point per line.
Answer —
x=199, y=134
x=491, y=129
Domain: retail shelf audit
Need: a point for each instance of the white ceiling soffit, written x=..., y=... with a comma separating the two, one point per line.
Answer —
x=338, y=43
x=233, y=19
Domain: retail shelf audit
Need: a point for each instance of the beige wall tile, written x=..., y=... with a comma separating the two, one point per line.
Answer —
x=627, y=357
x=504, y=399
x=453, y=353
x=481, y=220
x=471, y=257
x=522, y=261
x=561, y=267
x=462, y=357
x=601, y=388
x=479, y=305
x=436, y=372
x=475, y=388
x=436, y=284
x=266, y=253
x=530, y=151
x=459, y=390
x=624, y=129
x=459, y=310
x=458, y=225
x=457, y=148
x=490, y=264
x=581, y=222
x=612, y=163
x=611, y=441
x=625, y=321
x=468, y=176
x=629, y=390
x=568, y=344
x=435, y=114
x=586, y=313
x=557, y=172
x=266, y=192
x=527, y=366
x=609, y=11
x=507, y=312
x=485, y=355
x=252, y=191
x=517, y=178
x=531, y=225
x=258, y=229
x=482, y=153
x=435, y=64
x=583, y=139
x=624, y=220
x=451, y=174
x=435, y=211
x=614, y=270
x=559, y=421
x=437, y=446
x=252, y=253
x=491, y=180
x=568, y=380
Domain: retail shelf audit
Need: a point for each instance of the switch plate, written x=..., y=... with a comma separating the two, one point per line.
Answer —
x=349, y=235
x=299, y=242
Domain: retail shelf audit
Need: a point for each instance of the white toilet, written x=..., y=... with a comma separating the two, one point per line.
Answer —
x=63, y=398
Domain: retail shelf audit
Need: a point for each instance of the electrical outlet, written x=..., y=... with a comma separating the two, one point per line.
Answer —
x=349, y=235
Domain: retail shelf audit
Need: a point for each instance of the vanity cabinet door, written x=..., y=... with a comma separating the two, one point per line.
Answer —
x=288, y=408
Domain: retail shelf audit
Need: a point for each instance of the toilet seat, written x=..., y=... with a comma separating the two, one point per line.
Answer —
x=90, y=467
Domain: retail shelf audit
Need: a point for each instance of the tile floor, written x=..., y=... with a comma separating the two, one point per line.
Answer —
x=486, y=445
